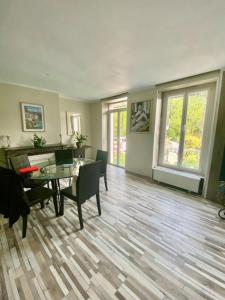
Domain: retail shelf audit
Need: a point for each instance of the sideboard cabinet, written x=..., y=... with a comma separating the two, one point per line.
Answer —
x=6, y=153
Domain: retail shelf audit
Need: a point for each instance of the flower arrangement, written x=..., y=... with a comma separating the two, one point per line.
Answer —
x=38, y=142
x=79, y=138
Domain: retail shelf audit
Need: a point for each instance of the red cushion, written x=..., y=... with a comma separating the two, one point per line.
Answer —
x=28, y=170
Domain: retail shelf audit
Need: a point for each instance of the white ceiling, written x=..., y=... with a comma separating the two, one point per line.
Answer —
x=90, y=49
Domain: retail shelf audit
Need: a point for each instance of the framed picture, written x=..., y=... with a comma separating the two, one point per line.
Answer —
x=73, y=122
x=140, y=116
x=32, y=117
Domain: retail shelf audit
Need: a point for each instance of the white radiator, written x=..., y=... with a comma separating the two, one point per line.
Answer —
x=183, y=180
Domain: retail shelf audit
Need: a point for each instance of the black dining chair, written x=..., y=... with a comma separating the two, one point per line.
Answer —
x=64, y=157
x=103, y=156
x=15, y=202
x=22, y=161
x=36, y=195
x=79, y=152
x=86, y=186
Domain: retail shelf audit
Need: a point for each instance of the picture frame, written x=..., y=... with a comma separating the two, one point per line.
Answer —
x=32, y=116
x=140, y=116
x=73, y=121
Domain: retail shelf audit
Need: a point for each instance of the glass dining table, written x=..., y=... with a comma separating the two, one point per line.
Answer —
x=49, y=171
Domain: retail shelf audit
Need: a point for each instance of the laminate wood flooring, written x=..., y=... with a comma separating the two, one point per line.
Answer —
x=151, y=243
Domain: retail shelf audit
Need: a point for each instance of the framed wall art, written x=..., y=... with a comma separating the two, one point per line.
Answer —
x=73, y=121
x=32, y=117
x=140, y=116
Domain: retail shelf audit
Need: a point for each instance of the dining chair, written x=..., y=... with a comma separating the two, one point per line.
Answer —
x=64, y=157
x=15, y=202
x=79, y=152
x=86, y=186
x=36, y=195
x=22, y=161
x=103, y=156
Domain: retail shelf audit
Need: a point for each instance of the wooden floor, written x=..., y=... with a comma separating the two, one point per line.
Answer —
x=150, y=243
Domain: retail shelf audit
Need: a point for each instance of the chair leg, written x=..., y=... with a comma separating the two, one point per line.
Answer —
x=55, y=204
x=79, y=209
x=24, y=226
x=98, y=204
x=105, y=180
x=42, y=204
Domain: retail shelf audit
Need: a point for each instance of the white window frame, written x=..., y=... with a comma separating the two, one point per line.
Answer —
x=206, y=127
x=110, y=128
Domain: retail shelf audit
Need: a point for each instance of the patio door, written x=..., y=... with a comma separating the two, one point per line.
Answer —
x=117, y=137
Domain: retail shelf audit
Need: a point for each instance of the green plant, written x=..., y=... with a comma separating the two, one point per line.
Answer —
x=80, y=138
x=38, y=142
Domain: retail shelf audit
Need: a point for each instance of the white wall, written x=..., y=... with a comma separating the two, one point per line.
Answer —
x=55, y=109
x=78, y=107
x=96, y=127
x=10, y=114
x=140, y=145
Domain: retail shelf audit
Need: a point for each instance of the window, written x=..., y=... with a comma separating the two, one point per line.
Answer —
x=183, y=128
x=117, y=105
x=117, y=116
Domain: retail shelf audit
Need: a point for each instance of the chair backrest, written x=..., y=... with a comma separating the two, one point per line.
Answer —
x=19, y=161
x=63, y=157
x=87, y=184
x=13, y=198
x=103, y=156
x=79, y=152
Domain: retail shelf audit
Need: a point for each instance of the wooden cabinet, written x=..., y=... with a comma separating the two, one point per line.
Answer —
x=6, y=153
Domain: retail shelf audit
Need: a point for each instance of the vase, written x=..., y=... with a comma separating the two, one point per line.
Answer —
x=78, y=144
x=38, y=146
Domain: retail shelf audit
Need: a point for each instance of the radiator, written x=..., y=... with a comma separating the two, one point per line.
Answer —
x=183, y=180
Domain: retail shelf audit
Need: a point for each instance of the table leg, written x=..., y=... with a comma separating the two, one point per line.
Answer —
x=56, y=197
x=61, y=208
x=59, y=203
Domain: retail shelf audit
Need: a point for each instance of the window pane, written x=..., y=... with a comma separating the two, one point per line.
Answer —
x=173, y=129
x=123, y=126
x=194, y=129
x=113, y=137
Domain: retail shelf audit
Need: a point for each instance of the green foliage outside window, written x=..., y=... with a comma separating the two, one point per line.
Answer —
x=193, y=127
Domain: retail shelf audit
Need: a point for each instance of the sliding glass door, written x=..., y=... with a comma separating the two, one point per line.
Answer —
x=117, y=137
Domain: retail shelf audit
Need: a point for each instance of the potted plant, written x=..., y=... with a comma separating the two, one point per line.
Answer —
x=38, y=142
x=79, y=139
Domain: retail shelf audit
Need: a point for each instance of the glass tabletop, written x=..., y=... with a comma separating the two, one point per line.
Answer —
x=49, y=170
